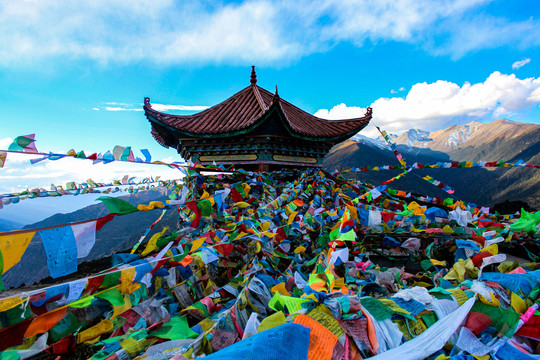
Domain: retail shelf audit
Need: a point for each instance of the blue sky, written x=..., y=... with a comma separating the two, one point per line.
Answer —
x=75, y=74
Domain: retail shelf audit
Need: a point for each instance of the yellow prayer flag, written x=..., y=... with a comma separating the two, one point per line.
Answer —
x=437, y=262
x=95, y=331
x=205, y=194
x=493, y=249
x=292, y=217
x=265, y=225
x=13, y=248
x=493, y=302
x=483, y=357
x=353, y=213
x=197, y=243
x=132, y=347
x=272, y=321
x=3, y=156
x=10, y=303
x=300, y=250
x=280, y=288
x=447, y=229
x=152, y=244
x=269, y=234
x=152, y=205
x=241, y=204
x=126, y=277
x=518, y=303
x=247, y=188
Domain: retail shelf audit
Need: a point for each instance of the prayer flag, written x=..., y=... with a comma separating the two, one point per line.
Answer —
x=117, y=206
x=3, y=156
x=24, y=143
x=13, y=247
x=85, y=237
x=61, y=249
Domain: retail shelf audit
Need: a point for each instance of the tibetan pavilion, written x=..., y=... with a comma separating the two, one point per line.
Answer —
x=254, y=130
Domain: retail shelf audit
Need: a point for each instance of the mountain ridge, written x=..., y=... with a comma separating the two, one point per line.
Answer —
x=503, y=139
x=473, y=133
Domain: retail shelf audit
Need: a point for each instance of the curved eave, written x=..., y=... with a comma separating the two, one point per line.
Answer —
x=362, y=123
x=157, y=136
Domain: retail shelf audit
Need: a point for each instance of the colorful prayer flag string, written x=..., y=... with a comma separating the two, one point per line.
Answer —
x=26, y=145
x=450, y=165
x=438, y=184
x=393, y=147
x=127, y=184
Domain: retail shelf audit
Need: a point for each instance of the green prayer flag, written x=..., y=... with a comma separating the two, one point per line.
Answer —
x=176, y=329
x=205, y=206
x=117, y=206
x=82, y=303
x=334, y=234
x=20, y=143
x=348, y=236
x=110, y=279
x=113, y=296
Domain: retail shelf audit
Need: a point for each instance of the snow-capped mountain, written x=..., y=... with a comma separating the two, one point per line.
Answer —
x=378, y=142
x=459, y=136
x=415, y=136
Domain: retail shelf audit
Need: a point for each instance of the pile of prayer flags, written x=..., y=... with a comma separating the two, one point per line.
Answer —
x=291, y=264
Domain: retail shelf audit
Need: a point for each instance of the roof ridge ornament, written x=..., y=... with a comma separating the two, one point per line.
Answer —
x=275, y=99
x=253, y=78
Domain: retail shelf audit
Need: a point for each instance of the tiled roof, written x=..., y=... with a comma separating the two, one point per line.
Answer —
x=242, y=111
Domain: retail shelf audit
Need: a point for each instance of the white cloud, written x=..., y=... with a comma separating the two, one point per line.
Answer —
x=119, y=108
x=5, y=142
x=439, y=104
x=340, y=112
x=162, y=31
x=252, y=31
x=521, y=63
x=398, y=90
x=117, y=103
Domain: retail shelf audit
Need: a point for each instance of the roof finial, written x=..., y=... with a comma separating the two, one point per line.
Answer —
x=276, y=96
x=253, y=78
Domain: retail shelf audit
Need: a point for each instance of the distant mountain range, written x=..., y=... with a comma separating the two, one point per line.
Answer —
x=8, y=225
x=503, y=139
x=118, y=235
